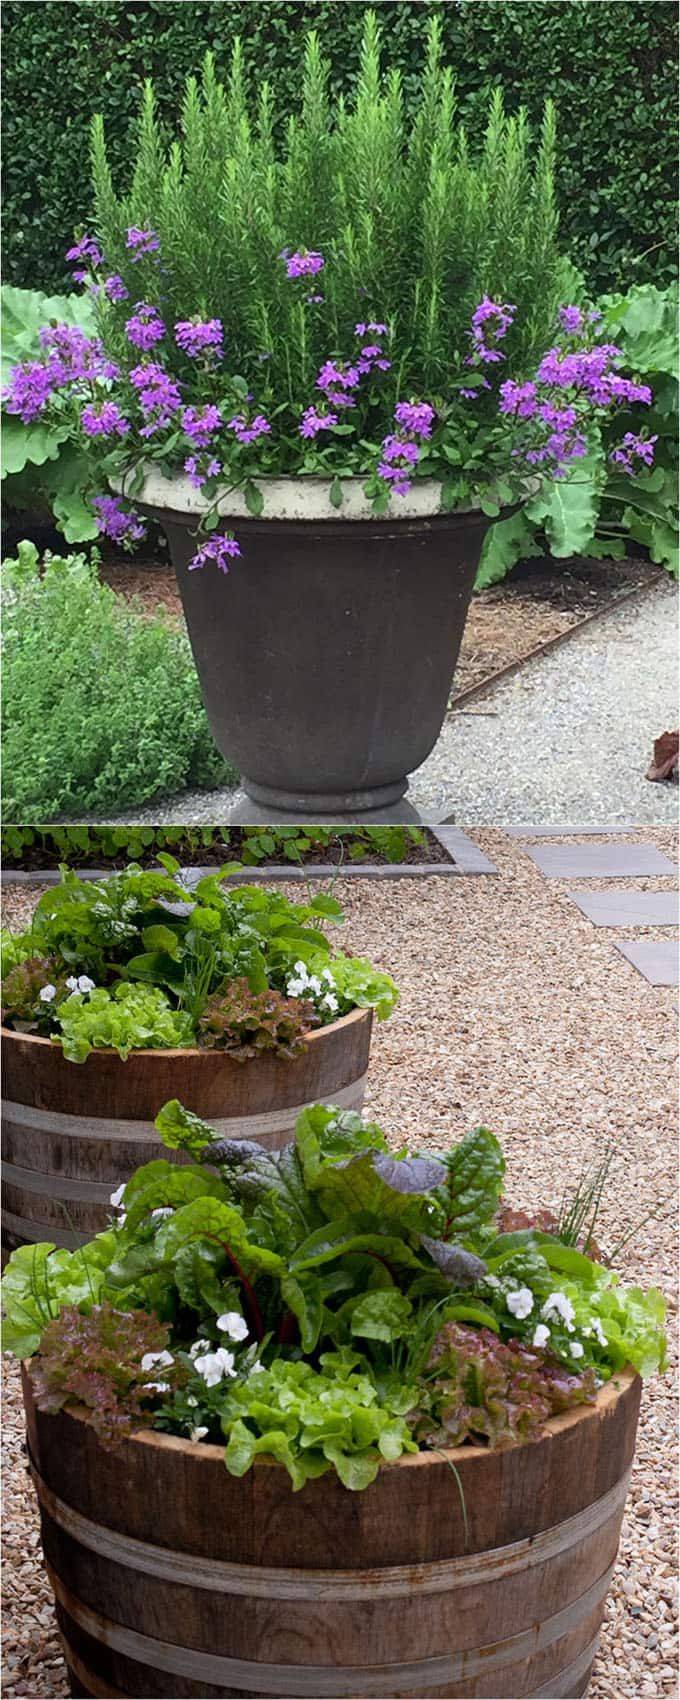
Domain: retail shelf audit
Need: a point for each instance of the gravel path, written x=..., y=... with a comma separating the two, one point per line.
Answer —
x=568, y=738
x=517, y=1012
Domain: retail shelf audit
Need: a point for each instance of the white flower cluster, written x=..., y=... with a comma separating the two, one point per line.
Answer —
x=320, y=988
x=557, y=1308
x=75, y=983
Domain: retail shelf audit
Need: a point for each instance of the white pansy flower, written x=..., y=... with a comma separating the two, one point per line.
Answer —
x=258, y=1369
x=233, y=1324
x=576, y=1349
x=72, y=983
x=314, y=984
x=329, y=1002
x=491, y=1281
x=199, y=1346
x=150, y=1359
x=521, y=1302
x=301, y=969
x=598, y=1331
x=157, y=1387
x=295, y=988
x=215, y=1365
x=85, y=984
x=198, y=1433
x=558, y=1305
x=191, y=1401
x=541, y=1335
x=116, y=1197
x=47, y=993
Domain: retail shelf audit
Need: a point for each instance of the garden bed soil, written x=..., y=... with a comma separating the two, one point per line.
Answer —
x=542, y=600
x=36, y=858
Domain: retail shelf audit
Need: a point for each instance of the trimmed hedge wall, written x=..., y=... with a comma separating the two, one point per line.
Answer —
x=610, y=68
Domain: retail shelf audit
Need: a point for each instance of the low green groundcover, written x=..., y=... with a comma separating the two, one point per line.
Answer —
x=332, y=1305
x=101, y=705
x=142, y=960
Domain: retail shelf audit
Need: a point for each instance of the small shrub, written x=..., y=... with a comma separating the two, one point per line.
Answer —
x=101, y=705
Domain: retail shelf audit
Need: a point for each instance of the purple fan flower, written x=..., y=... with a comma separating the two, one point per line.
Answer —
x=146, y=327
x=490, y=321
x=72, y=355
x=198, y=336
x=200, y=424
x=248, y=431
x=142, y=242
x=633, y=448
x=159, y=397
x=571, y=319
x=114, y=287
x=122, y=527
x=197, y=472
x=518, y=399
x=85, y=249
x=217, y=549
x=361, y=329
x=312, y=422
x=302, y=264
x=30, y=387
x=104, y=419
x=416, y=416
x=336, y=374
x=399, y=456
x=399, y=448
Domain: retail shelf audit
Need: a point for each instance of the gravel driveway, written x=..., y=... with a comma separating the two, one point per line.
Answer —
x=568, y=738
x=517, y=1012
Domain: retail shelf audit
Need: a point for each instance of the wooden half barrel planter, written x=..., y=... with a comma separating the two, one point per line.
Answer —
x=172, y=1578
x=73, y=1132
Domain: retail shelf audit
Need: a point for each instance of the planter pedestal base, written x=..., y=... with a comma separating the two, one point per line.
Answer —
x=247, y=813
x=358, y=802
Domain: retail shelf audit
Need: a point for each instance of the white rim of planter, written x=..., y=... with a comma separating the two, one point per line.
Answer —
x=290, y=498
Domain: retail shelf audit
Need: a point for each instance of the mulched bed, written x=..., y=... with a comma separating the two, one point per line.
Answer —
x=37, y=857
x=541, y=600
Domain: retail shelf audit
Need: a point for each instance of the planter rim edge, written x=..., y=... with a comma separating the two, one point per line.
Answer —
x=619, y=1383
x=185, y=1050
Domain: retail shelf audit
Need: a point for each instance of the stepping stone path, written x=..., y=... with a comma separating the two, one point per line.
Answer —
x=656, y=959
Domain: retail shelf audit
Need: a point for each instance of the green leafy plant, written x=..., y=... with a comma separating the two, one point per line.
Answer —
x=141, y=959
x=599, y=506
x=101, y=706
x=99, y=1360
x=333, y=1305
x=40, y=467
x=252, y=844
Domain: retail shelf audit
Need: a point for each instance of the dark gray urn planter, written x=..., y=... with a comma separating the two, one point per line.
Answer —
x=327, y=652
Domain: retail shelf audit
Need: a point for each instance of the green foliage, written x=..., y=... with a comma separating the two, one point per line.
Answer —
x=594, y=509
x=252, y=844
x=64, y=472
x=312, y=1317
x=610, y=69
x=151, y=961
x=101, y=705
x=129, y=1018
x=415, y=221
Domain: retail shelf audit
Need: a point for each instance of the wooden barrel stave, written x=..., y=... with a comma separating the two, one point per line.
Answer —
x=63, y=1155
x=266, y=1608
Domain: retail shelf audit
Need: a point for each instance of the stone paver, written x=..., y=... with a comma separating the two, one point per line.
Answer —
x=626, y=908
x=655, y=959
x=602, y=861
x=525, y=830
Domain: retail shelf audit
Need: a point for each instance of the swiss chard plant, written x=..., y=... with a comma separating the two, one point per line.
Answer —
x=332, y=1305
x=150, y=958
x=339, y=290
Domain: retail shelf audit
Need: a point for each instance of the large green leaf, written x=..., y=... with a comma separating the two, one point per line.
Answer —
x=568, y=509
x=507, y=542
x=24, y=445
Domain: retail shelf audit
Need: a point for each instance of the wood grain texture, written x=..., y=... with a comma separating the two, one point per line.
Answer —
x=173, y=1578
x=64, y=1153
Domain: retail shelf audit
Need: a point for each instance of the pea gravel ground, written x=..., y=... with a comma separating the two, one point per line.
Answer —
x=567, y=738
x=517, y=1012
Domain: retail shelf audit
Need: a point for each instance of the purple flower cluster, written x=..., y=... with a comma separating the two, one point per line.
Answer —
x=198, y=469
x=141, y=242
x=633, y=448
x=589, y=376
x=248, y=430
x=146, y=327
x=124, y=527
x=159, y=398
x=571, y=320
x=490, y=322
x=313, y=421
x=104, y=419
x=590, y=370
x=303, y=263
x=401, y=450
x=201, y=424
x=69, y=357
x=85, y=249
x=336, y=378
x=199, y=336
x=115, y=289
x=218, y=549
